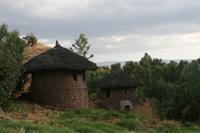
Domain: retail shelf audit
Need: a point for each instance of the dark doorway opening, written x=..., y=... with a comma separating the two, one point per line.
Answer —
x=108, y=93
x=127, y=107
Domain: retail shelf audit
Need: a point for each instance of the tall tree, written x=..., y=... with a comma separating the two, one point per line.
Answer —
x=187, y=100
x=81, y=46
x=11, y=55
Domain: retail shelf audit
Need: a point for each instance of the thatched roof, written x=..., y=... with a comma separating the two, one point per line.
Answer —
x=32, y=51
x=117, y=79
x=59, y=58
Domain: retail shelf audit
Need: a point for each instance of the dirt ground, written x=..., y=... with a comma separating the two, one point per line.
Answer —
x=21, y=110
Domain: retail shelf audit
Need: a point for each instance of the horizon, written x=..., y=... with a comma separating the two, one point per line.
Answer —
x=122, y=63
x=116, y=30
x=138, y=58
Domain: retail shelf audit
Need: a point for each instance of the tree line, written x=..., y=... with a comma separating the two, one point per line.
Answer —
x=174, y=87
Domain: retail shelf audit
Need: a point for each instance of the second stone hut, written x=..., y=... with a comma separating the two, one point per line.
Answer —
x=118, y=90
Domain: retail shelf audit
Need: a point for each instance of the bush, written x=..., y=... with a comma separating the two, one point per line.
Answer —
x=130, y=124
x=31, y=39
x=11, y=54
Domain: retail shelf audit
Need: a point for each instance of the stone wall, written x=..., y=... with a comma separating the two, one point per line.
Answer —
x=117, y=95
x=59, y=89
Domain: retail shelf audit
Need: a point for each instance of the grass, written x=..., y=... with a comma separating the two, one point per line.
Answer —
x=26, y=127
x=91, y=121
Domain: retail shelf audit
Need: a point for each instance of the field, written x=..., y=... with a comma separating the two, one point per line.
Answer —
x=31, y=118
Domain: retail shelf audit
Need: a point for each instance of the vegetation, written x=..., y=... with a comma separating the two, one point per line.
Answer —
x=175, y=87
x=11, y=55
x=31, y=39
x=94, y=76
x=81, y=46
x=116, y=66
x=89, y=121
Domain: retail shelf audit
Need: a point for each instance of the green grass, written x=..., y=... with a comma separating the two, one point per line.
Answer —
x=26, y=127
x=94, y=121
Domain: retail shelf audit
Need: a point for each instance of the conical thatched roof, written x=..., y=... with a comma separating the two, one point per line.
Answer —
x=117, y=79
x=59, y=58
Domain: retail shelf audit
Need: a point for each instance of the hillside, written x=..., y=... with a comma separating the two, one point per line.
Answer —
x=31, y=118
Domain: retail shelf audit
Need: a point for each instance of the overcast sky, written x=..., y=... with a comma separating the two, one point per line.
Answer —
x=118, y=30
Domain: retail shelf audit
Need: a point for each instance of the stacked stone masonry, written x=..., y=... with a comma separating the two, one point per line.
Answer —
x=59, y=88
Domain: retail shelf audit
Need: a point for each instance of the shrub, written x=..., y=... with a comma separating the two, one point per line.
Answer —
x=31, y=39
x=11, y=54
x=131, y=125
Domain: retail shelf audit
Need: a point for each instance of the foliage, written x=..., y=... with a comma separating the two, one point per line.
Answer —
x=94, y=76
x=116, y=66
x=175, y=87
x=186, y=102
x=31, y=39
x=81, y=46
x=11, y=55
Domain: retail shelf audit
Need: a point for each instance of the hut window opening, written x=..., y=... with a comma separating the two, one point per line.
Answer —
x=108, y=93
x=75, y=77
x=125, y=91
x=83, y=77
x=127, y=108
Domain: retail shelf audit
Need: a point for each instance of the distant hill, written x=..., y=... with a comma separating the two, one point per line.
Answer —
x=109, y=63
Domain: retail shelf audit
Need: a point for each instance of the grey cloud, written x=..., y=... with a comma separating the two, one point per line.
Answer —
x=106, y=18
x=101, y=20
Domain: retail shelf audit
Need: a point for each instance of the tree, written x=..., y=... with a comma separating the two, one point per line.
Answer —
x=81, y=46
x=31, y=39
x=94, y=76
x=174, y=87
x=146, y=61
x=135, y=70
x=170, y=72
x=187, y=99
x=11, y=55
x=116, y=66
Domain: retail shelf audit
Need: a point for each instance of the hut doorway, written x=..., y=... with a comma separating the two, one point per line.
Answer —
x=126, y=105
x=127, y=108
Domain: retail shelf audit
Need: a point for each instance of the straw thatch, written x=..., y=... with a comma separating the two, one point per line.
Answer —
x=59, y=58
x=117, y=79
x=32, y=51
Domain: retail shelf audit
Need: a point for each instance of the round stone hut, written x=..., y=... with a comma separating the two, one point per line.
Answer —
x=118, y=90
x=58, y=78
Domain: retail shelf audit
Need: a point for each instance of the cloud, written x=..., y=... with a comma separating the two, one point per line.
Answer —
x=121, y=26
x=133, y=46
x=135, y=42
x=100, y=17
